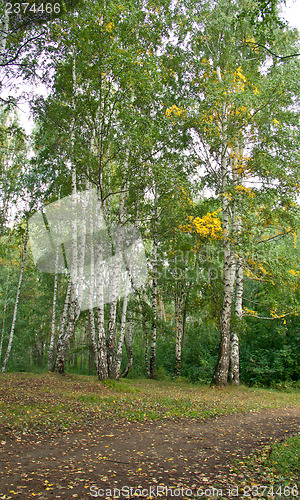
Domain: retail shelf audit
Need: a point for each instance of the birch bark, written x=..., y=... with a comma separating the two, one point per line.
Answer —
x=128, y=344
x=59, y=365
x=92, y=289
x=77, y=261
x=12, y=330
x=74, y=262
x=234, y=370
x=220, y=376
x=152, y=364
x=146, y=337
x=53, y=322
x=178, y=300
x=122, y=329
x=178, y=334
x=101, y=356
x=111, y=327
x=152, y=367
x=4, y=315
x=3, y=34
x=144, y=330
x=221, y=371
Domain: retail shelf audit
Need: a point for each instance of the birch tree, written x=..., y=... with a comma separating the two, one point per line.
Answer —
x=128, y=343
x=53, y=322
x=113, y=101
x=231, y=93
x=12, y=330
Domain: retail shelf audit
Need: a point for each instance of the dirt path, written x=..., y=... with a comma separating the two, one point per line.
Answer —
x=189, y=455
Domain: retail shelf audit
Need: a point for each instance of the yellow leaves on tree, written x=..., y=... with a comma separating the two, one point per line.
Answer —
x=109, y=27
x=249, y=312
x=294, y=273
x=244, y=190
x=209, y=226
x=186, y=197
x=239, y=76
x=274, y=314
x=239, y=80
x=252, y=43
x=240, y=163
x=256, y=271
x=175, y=111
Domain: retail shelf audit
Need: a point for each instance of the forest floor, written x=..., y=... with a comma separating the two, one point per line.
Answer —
x=74, y=437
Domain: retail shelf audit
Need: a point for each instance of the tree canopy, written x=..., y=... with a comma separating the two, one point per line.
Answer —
x=184, y=118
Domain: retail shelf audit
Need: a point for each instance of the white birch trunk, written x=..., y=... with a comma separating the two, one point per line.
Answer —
x=152, y=369
x=80, y=260
x=122, y=329
x=65, y=335
x=3, y=34
x=111, y=327
x=91, y=296
x=233, y=372
x=53, y=322
x=75, y=295
x=74, y=262
x=101, y=364
x=184, y=317
x=146, y=337
x=220, y=377
x=234, y=369
x=92, y=288
x=145, y=334
x=221, y=372
x=178, y=300
x=93, y=335
x=178, y=333
x=11, y=336
x=61, y=348
x=128, y=344
x=4, y=315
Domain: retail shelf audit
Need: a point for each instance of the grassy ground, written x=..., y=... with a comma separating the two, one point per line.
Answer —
x=65, y=402
x=277, y=466
x=40, y=408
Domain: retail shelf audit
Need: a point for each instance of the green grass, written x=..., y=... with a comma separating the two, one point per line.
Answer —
x=33, y=402
x=273, y=472
x=120, y=385
x=284, y=458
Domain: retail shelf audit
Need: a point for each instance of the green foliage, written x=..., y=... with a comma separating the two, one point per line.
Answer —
x=200, y=353
x=284, y=458
x=139, y=102
x=162, y=373
x=166, y=355
x=276, y=465
x=269, y=352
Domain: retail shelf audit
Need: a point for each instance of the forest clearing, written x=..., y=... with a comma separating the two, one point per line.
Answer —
x=149, y=218
x=149, y=249
x=62, y=436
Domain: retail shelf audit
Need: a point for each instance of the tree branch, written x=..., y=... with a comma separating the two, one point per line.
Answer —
x=282, y=58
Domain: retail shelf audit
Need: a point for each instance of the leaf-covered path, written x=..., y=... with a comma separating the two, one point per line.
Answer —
x=187, y=455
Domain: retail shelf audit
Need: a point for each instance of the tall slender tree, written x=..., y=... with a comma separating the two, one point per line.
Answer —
x=236, y=79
